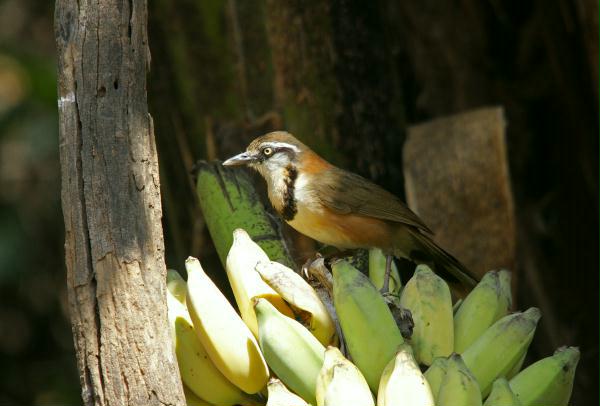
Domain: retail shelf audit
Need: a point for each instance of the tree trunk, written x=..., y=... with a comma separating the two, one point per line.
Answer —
x=111, y=205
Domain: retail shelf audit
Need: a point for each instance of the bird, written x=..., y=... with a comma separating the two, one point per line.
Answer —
x=342, y=209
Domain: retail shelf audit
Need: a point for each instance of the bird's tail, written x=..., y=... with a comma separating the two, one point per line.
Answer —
x=448, y=267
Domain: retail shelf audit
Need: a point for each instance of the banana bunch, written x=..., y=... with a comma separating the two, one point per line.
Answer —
x=473, y=350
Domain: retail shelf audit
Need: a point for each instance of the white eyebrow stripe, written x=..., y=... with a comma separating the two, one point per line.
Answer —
x=283, y=145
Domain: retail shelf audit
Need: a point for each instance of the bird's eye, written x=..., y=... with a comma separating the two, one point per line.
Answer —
x=267, y=151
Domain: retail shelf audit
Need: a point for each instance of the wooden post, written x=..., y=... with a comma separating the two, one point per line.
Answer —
x=111, y=204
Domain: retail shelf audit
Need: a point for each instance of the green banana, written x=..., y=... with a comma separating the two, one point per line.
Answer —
x=515, y=370
x=502, y=345
x=301, y=297
x=291, y=351
x=377, y=272
x=488, y=302
x=548, y=381
x=402, y=382
x=459, y=387
x=227, y=340
x=502, y=395
x=435, y=375
x=371, y=334
x=279, y=395
x=428, y=298
x=340, y=383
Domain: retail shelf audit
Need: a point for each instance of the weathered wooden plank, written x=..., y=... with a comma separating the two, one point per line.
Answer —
x=457, y=180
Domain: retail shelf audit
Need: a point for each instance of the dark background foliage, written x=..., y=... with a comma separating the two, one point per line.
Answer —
x=348, y=77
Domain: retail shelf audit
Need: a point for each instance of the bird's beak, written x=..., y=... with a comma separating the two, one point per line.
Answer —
x=240, y=159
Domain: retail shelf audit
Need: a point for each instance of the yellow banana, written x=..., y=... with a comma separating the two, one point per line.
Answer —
x=402, y=382
x=435, y=375
x=502, y=345
x=370, y=331
x=488, y=302
x=301, y=297
x=340, y=383
x=227, y=340
x=196, y=369
x=246, y=284
x=548, y=381
x=291, y=351
x=279, y=395
x=427, y=296
x=501, y=395
x=377, y=272
x=191, y=399
x=459, y=387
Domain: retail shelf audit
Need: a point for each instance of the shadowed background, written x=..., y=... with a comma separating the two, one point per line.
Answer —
x=346, y=77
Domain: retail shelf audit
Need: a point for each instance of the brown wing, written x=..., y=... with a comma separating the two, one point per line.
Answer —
x=346, y=192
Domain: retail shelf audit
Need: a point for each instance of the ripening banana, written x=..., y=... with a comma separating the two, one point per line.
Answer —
x=428, y=298
x=502, y=395
x=279, y=395
x=377, y=272
x=402, y=382
x=227, y=340
x=459, y=387
x=246, y=284
x=291, y=351
x=340, y=383
x=197, y=370
x=488, y=302
x=370, y=331
x=502, y=345
x=301, y=297
x=176, y=285
x=548, y=381
x=435, y=374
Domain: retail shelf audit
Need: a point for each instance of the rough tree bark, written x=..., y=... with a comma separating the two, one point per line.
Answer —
x=111, y=205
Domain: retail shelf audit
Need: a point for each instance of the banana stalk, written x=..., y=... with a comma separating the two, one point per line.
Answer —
x=502, y=395
x=227, y=340
x=548, y=381
x=402, y=382
x=291, y=351
x=502, y=345
x=428, y=298
x=370, y=331
x=197, y=370
x=279, y=395
x=488, y=302
x=340, y=383
x=459, y=387
x=377, y=263
x=246, y=284
x=301, y=297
